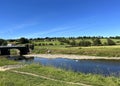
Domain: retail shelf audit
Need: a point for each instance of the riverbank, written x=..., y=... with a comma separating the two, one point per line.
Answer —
x=99, y=51
x=77, y=57
x=36, y=74
x=63, y=76
x=4, y=61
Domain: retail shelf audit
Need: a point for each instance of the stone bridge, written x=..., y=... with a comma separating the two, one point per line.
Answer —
x=5, y=50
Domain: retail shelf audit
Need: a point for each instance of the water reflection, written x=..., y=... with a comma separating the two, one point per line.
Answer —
x=20, y=58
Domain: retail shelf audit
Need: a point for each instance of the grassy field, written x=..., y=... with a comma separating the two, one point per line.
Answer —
x=58, y=48
x=8, y=78
x=109, y=51
x=103, y=40
x=13, y=79
x=55, y=46
x=69, y=76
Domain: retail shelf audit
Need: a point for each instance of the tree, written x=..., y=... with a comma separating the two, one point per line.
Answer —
x=84, y=43
x=3, y=42
x=110, y=42
x=64, y=40
x=73, y=43
x=23, y=40
x=97, y=42
x=61, y=43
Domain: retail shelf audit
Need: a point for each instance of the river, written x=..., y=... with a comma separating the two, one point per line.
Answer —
x=102, y=67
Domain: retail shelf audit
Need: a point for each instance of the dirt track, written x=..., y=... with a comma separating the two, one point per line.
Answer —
x=8, y=67
x=35, y=75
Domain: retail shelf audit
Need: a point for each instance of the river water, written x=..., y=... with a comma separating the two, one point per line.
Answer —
x=103, y=67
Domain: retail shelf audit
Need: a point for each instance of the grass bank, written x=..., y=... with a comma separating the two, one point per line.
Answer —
x=5, y=61
x=69, y=76
x=13, y=79
x=9, y=78
x=104, y=51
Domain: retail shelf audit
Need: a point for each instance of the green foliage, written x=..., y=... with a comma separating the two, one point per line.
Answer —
x=51, y=44
x=61, y=43
x=23, y=40
x=69, y=76
x=64, y=40
x=31, y=46
x=4, y=61
x=3, y=42
x=84, y=43
x=8, y=78
x=109, y=51
x=73, y=43
x=110, y=42
x=97, y=42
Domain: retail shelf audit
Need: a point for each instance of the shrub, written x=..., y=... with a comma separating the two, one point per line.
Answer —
x=97, y=42
x=84, y=43
x=110, y=42
x=23, y=40
x=3, y=42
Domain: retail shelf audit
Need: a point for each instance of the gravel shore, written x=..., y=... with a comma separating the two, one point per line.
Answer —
x=70, y=56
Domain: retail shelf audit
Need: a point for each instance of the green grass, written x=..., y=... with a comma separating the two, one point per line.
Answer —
x=8, y=78
x=14, y=52
x=109, y=51
x=69, y=76
x=46, y=42
x=4, y=61
x=42, y=46
x=13, y=79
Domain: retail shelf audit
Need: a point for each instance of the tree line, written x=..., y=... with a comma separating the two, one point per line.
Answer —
x=68, y=40
x=83, y=42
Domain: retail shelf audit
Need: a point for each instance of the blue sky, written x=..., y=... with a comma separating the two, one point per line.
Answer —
x=59, y=18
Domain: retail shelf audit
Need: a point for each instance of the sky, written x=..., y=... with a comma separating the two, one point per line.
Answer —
x=59, y=18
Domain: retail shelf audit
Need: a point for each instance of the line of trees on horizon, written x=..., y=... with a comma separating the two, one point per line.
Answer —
x=95, y=40
x=79, y=37
x=83, y=42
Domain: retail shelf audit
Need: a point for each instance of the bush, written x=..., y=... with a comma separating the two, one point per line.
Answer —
x=97, y=42
x=51, y=44
x=23, y=40
x=110, y=42
x=3, y=42
x=73, y=43
x=40, y=44
x=84, y=43
x=61, y=43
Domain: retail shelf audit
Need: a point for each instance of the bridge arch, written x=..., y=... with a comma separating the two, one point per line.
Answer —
x=14, y=52
x=5, y=50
